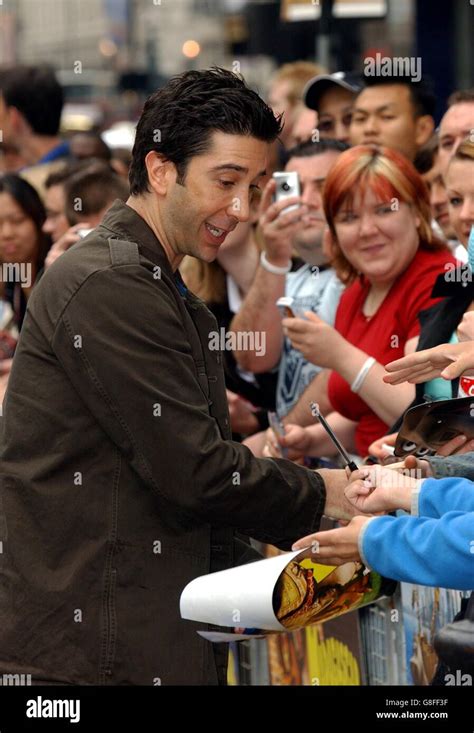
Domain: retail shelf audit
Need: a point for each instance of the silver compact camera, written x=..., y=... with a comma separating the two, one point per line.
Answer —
x=287, y=186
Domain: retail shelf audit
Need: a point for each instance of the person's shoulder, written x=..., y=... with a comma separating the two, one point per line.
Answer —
x=297, y=279
x=88, y=278
x=74, y=266
x=332, y=280
x=352, y=292
x=423, y=270
x=308, y=280
x=429, y=259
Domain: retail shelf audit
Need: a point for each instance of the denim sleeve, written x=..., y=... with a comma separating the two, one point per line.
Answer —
x=462, y=465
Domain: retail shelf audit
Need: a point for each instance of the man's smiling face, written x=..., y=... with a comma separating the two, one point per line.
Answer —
x=215, y=195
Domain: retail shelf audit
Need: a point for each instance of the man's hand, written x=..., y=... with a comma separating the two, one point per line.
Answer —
x=279, y=229
x=336, y=546
x=296, y=439
x=456, y=447
x=64, y=243
x=337, y=506
x=5, y=366
x=319, y=342
x=378, y=489
x=3, y=385
x=447, y=361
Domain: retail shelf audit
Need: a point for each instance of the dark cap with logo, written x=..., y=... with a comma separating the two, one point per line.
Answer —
x=317, y=86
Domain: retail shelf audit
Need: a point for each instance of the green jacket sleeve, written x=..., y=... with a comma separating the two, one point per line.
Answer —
x=133, y=368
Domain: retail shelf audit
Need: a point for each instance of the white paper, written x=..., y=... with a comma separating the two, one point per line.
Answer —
x=240, y=596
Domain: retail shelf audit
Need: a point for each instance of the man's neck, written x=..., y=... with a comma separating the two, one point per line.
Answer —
x=240, y=263
x=137, y=203
x=35, y=147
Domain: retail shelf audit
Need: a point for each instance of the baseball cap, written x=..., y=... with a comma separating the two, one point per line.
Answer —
x=317, y=86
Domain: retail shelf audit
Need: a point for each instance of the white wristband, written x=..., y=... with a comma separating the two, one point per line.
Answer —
x=273, y=268
x=364, y=370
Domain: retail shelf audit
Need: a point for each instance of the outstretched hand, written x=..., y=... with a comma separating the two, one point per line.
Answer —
x=447, y=361
x=335, y=546
x=379, y=489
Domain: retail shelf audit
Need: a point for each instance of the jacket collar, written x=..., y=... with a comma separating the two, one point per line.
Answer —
x=124, y=222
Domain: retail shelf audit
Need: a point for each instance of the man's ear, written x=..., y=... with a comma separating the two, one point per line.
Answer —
x=424, y=129
x=161, y=172
x=17, y=121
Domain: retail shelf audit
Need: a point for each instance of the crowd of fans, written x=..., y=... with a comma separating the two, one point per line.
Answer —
x=374, y=256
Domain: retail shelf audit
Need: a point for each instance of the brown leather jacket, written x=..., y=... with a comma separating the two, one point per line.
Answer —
x=118, y=479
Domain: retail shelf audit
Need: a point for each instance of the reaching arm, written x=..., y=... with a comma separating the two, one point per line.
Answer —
x=439, y=496
x=312, y=440
x=316, y=391
x=258, y=312
x=321, y=344
x=434, y=552
x=446, y=360
x=460, y=465
x=387, y=405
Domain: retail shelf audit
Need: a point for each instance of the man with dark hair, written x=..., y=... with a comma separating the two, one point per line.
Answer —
x=56, y=223
x=86, y=145
x=31, y=102
x=119, y=480
x=91, y=191
x=77, y=198
x=393, y=111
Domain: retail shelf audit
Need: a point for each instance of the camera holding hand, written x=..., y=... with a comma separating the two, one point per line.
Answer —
x=280, y=219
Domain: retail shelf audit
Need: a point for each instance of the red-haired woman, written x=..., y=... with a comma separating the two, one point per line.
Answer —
x=378, y=213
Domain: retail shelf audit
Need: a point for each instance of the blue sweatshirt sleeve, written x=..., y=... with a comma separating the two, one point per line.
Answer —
x=438, y=496
x=437, y=552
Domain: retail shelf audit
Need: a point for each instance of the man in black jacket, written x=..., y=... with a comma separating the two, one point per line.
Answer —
x=119, y=482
